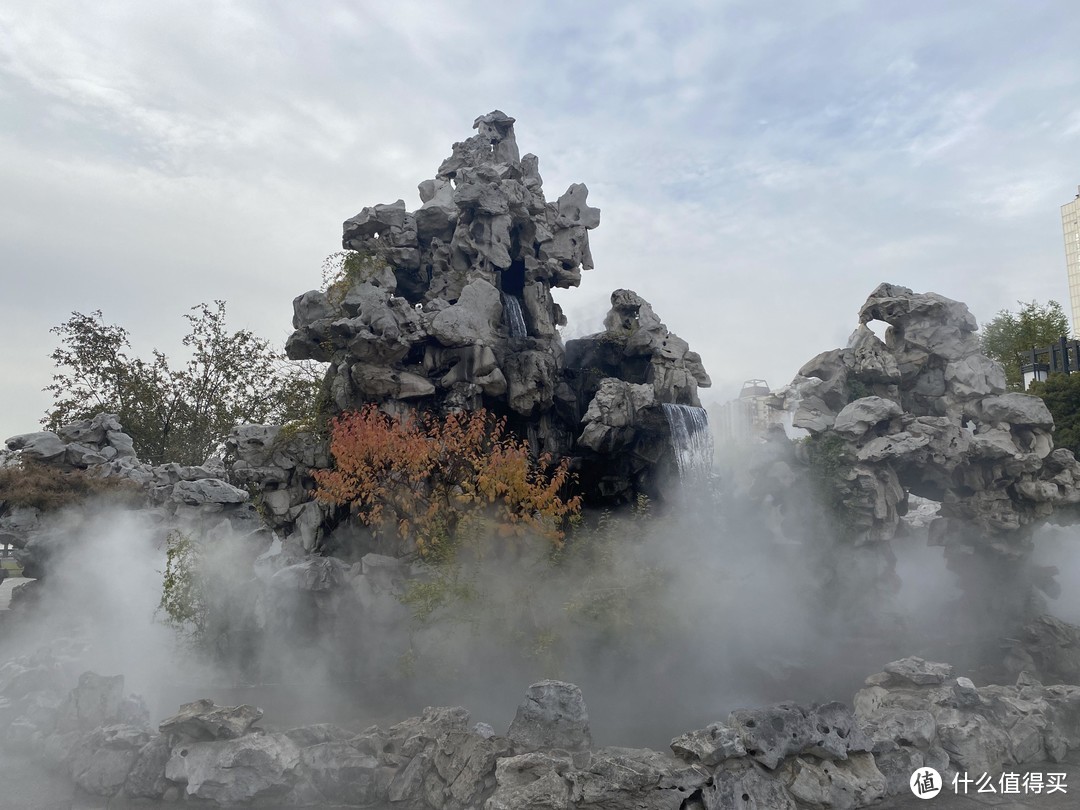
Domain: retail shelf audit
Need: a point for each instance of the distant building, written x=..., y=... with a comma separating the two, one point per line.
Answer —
x=746, y=418
x=1070, y=224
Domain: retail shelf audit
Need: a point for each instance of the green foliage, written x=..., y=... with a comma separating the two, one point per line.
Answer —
x=1061, y=393
x=346, y=268
x=1010, y=335
x=30, y=483
x=856, y=389
x=175, y=414
x=183, y=593
x=829, y=462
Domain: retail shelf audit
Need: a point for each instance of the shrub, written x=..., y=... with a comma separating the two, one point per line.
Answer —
x=435, y=482
x=183, y=596
x=47, y=488
x=342, y=270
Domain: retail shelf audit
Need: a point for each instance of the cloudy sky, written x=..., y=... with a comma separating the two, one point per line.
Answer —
x=760, y=167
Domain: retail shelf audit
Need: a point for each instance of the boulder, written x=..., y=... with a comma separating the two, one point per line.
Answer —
x=918, y=671
x=534, y=781
x=710, y=746
x=204, y=720
x=95, y=702
x=228, y=771
x=553, y=715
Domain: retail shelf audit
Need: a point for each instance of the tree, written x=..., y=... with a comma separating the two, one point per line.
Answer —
x=174, y=414
x=1010, y=335
x=431, y=483
x=1061, y=393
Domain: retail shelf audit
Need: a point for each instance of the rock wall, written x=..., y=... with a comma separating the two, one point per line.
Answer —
x=173, y=494
x=925, y=412
x=913, y=715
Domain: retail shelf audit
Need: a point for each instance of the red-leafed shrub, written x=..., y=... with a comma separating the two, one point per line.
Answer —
x=435, y=482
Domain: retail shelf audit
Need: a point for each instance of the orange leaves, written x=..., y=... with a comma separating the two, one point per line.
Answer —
x=434, y=481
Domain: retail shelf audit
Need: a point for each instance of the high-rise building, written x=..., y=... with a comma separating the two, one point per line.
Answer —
x=1070, y=224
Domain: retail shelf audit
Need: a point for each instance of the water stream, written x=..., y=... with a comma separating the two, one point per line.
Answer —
x=515, y=320
x=691, y=439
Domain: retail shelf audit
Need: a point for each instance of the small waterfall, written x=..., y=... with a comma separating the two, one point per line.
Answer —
x=515, y=320
x=691, y=439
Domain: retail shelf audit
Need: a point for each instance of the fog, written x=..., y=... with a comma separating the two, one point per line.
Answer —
x=725, y=597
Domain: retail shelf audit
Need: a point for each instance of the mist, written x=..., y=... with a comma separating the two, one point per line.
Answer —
x=728, y=595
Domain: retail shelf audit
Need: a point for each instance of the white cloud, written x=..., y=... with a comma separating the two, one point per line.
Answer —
x=760, y=169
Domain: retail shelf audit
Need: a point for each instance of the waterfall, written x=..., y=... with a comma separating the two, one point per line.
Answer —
x=691, y=439
x=515, y=321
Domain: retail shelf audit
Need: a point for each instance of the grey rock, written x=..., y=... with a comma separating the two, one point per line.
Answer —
x=967, y=696
x=836, y=732
x=897, y=766
x=914, y=727
x=534, y=781
x=710, y=746
x=638, y=778
x=1016, y=409
x=473, y=319
x=146, y=779
x=204, y=720
x=745, y=784
x=553, y=715
x=103, y=759
x=919, y=671
x=974, y=743
x=45, y=446
x=773, y=733
x=408, y=783
x=341, y=773
x=96, y=701
x=613, y=414
x=859, y=416
x=255, y=766
x=208, y=491
x=855, y=782
x=465, y=763
x=305, y=736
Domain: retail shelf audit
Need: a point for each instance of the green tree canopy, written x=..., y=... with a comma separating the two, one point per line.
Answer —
x=175, y=414
x=1010, y=335
x=1061, y=393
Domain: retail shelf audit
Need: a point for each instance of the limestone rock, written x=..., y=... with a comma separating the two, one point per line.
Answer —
x=638, y=778
x=252, y=767
x=745, y=784
x=146, y=779
x=861, y=415
x=856, y=782
x=208, y=491
x=94, y=702
x=710, y=745
x=204, y=720
x=919, y=671
x=341, y=773
x=105, y=757
x=553, y=715
x=45, y=446
x=535, y=781
x=771, y=734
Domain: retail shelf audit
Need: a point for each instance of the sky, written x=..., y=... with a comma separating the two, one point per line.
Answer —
x=760, y=167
